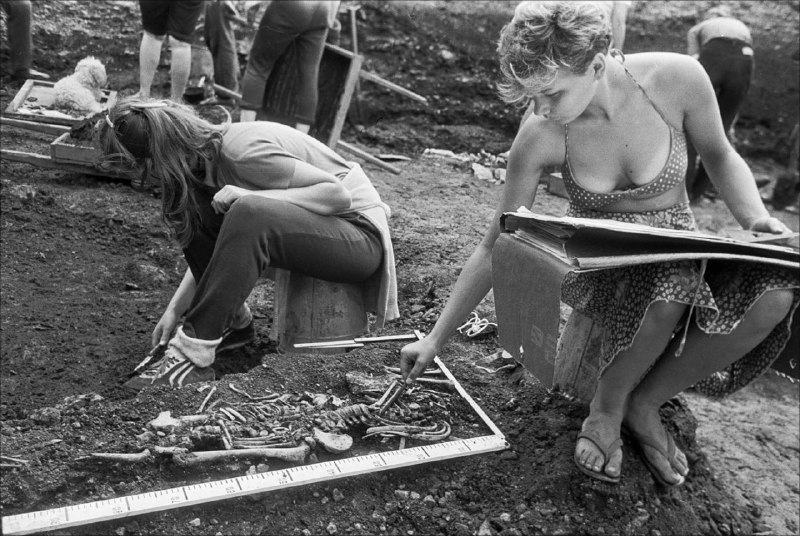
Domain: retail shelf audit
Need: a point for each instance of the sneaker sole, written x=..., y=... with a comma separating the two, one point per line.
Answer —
x=175, y=379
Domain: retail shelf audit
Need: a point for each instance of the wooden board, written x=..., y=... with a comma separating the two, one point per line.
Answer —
x=44, y=161
x=65, y=149
x=338, y=75
x=34, y=102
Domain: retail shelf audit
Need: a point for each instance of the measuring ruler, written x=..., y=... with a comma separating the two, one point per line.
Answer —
x=155, y=501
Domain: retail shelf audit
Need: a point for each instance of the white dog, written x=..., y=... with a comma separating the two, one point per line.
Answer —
x=82, y=90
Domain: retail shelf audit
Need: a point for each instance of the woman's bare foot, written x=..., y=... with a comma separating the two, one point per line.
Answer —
x=644, y=423
x=599, y=449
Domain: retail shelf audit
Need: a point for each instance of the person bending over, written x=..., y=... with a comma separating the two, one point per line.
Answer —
x=724, y=47
x=240, y=199
x=617, y=126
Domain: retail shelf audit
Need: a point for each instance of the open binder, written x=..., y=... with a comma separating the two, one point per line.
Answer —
x=595, y=244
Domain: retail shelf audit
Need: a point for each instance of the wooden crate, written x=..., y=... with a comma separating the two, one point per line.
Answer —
x=338, y=76
x=34, y=102
x=68, y=151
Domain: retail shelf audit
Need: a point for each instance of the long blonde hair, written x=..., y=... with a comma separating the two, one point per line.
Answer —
x=171, y=143
x=545, y=36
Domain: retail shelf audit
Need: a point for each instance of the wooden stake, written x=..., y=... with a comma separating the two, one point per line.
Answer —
x=36, y=127
x=366, y=156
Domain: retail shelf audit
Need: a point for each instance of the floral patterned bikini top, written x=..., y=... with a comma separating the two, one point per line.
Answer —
x=672, y=174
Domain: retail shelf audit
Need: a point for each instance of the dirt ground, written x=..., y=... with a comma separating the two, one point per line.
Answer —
x=87, y=268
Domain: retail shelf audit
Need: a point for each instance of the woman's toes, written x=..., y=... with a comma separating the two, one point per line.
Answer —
x=614, y=465
x=680, y=463
x=594, y=463
x=583, y=453
x=663, y=466
x=586, y=458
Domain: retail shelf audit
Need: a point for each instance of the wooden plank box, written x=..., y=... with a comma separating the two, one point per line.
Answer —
x=34, y=102
x=69, y=151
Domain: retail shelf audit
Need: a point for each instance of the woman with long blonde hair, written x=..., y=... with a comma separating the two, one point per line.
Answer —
x=242, y=198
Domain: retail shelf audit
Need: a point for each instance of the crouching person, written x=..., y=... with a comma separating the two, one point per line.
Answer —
x=240, y=199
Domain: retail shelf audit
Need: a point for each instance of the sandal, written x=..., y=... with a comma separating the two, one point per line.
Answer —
x=477, y=326
x=605, y=450
x=669, y=455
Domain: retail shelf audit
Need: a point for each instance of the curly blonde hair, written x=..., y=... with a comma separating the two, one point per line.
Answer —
x=171, y=144
x=544, y=37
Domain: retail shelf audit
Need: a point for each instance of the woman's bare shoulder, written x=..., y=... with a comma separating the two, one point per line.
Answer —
x=671, y=80
x=664, y=69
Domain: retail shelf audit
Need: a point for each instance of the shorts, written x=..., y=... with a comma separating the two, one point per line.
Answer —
x=177, y=18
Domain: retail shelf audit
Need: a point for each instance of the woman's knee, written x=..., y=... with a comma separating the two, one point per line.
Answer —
x=664, y=313
x=255, y=212
x=154, y=37
x=178, y=45
x=769, y=310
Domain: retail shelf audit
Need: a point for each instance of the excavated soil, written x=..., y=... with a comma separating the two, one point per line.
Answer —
x=87, y=268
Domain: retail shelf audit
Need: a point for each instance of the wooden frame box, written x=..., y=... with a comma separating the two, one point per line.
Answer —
x=34, y=102
x=65, y=150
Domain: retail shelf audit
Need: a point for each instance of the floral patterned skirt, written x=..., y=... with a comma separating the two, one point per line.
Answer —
x=619, y=298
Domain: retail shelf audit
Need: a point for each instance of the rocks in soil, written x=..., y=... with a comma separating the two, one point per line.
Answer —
x=46, y=416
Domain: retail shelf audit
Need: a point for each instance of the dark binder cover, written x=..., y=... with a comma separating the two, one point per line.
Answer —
x=595, y=244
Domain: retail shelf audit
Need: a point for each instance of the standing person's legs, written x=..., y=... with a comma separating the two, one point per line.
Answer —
x=310, y=47
x=149, y=56
x=221, y=41
x=20, y=41
x=276, y=31
x=154, y=24
x=181, y=21
x=180, y=68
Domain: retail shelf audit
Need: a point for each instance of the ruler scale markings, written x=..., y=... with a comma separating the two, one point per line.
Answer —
x=306, y=474
x=209, y=491
x=94, y=511
x=410, y=456
x=32, y=522
x=37, y=521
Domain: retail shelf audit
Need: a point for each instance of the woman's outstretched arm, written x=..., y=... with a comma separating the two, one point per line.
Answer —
x=536, y=146
x=178, y=305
